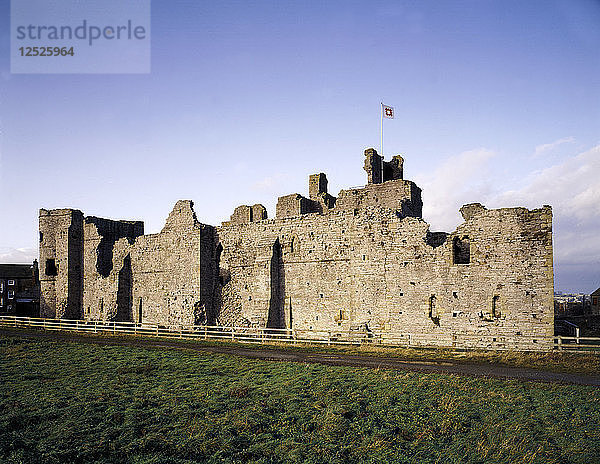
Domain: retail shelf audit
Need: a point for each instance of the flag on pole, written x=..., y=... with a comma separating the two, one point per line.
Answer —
x=388, y=111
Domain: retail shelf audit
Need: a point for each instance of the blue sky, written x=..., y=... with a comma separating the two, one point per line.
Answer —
x=496, y=102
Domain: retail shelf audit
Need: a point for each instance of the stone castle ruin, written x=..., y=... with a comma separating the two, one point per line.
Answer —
x=364, y=261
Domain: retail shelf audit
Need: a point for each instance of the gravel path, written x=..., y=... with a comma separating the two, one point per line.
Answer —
x=337, y=359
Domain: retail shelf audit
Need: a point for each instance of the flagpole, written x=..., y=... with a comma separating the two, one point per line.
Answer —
x=381, y=154
x=381, y=144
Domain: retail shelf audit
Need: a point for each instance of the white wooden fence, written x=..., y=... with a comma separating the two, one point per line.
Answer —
x=299, y=336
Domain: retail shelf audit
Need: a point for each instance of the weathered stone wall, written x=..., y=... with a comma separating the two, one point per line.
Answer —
x=402, y=196
x=107, y=268
x=376, y=270
x=244, y=214
x=61, y=249
x=168, y=283
x=293, y=205
x=362, y=262
x=305, y=250
x=317, y=185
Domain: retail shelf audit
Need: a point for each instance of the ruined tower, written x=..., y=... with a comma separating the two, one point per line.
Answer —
x=61, y=263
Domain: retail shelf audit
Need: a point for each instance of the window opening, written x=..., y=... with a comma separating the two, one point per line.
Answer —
x=461, y=249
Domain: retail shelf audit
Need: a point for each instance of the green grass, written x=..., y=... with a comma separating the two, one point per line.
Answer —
x=555, y=361
x=68, y=402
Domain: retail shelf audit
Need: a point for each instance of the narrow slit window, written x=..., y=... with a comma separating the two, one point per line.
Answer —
x=433, y=313
x=496, y=306
x=432, y=308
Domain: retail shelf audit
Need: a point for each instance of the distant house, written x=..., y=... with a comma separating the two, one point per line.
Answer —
x=571, y=304
x=19, y=289
x=595, y=297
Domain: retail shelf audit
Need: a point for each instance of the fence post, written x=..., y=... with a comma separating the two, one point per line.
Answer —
x=559, y=343
x=205, y=334
x=95, y=326
x=157, y=330
x=232, y=333
x=577, y=335
x=329, y=337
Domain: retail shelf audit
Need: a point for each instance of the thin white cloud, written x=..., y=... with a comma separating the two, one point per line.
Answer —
x=546, y=147
x=464, y=178
x=271, y=183
x=240, y=167
x=18, y=255
x=572, y=188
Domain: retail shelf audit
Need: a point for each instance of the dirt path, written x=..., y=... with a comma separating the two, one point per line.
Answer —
x=333, y=359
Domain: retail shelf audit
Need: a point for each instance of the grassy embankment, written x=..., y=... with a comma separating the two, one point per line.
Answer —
x=68, y=402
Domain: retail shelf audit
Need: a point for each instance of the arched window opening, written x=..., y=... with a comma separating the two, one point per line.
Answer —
x=433, y=312
x=276, y=316
x=432, y=308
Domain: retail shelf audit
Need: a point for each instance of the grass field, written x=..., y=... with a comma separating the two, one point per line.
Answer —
x=554, y=361
x=67, y=402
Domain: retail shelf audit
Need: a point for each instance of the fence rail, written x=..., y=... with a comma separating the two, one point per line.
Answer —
x=299, y=336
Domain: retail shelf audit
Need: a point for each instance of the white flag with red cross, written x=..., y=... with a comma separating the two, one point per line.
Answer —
x=388, y=111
